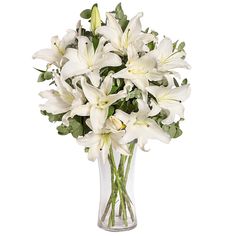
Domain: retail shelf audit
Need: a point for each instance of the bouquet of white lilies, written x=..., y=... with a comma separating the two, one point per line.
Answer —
x=114, y=85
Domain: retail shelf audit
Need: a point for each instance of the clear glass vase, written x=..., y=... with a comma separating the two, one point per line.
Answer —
x=117, y=209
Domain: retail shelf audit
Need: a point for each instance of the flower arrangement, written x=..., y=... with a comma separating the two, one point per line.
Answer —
x=114, y=85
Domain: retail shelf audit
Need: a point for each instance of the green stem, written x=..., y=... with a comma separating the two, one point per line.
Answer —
x=118, y=183
x=122, y=201
x=121, y=165
x=121, y=171
x=107, y=208
x=111, y=221
x=132, y=145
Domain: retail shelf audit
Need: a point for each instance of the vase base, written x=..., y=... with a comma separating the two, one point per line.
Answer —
x=117, y=228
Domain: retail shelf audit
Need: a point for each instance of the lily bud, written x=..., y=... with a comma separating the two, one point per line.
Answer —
x=95, y=18
x=115, y=123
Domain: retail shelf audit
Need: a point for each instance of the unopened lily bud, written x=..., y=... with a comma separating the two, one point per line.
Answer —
x=95, y=18
x=116, y=123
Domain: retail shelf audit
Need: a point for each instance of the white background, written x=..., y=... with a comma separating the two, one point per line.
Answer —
x=186, y=188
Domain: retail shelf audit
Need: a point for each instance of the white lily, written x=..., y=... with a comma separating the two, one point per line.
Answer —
x=65, y=100
x=140, y=126
x=119, y=40
x=100, y=100
x=167, y=59
x=55, y=54
x=88, y=61
x=170, y=100
x=100, y=142
x=139, y=70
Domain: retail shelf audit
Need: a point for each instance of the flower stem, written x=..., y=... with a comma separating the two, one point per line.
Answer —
x=120, y=190
x=132, y=145
x=119, y=177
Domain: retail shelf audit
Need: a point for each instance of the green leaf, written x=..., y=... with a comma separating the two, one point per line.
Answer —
x=181, y=46
x=63, y=130
x=114, y=89
x=176, y=82
x=184, y=82
x=123, y=22
x=43, y=113
x=178, y=133
x=172, y=130
x=111, y=111
x=53, y=82
x=174, y=45
x=95, y=41
x=42, y=71
x=166, y=128
x=76, y=127
x=154, y=33
x=119, y=11
x=146, y=30
x=119, y=14
x=47, y=75
x=41, y=78
x=165, y=82
x=151, y=45
x=54, y=118
x=86, y=14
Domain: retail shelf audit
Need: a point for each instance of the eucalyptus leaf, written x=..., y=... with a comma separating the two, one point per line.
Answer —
x=41, y=78
x=174, y=45
x=47, y=75
x=111, y=111
x=181, y=46
x=184, y=82
x=63, y=130
x=76, y=127
x=172, y=130
x=151, y=46
x=86, y=14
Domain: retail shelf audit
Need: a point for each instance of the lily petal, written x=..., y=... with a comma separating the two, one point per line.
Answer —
x=115, y=97
x=48, y=55
x=89, y=140
x=91, y=93
x=93, y=153
x=107, y=84
x=123, y=116
x=55, y=104
x=108, y=59
x=94, y=77
x=133, y=29
x=98, y=117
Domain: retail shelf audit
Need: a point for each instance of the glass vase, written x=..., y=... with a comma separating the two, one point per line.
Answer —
x=117, y=209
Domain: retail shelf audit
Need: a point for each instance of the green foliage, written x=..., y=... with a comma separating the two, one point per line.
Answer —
x=151, y=46
x=181, y=46
x=136, y=93
x=184, y=82
x=86, y=14
x=111, y=111
x=122, y=18
x=52, y=117
x=46, y=75
x=173, y=130
x=127, y=106
x=174, y=45
x=63, y=129
x=154, y=33
x=95, y=41
x=75, y=127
